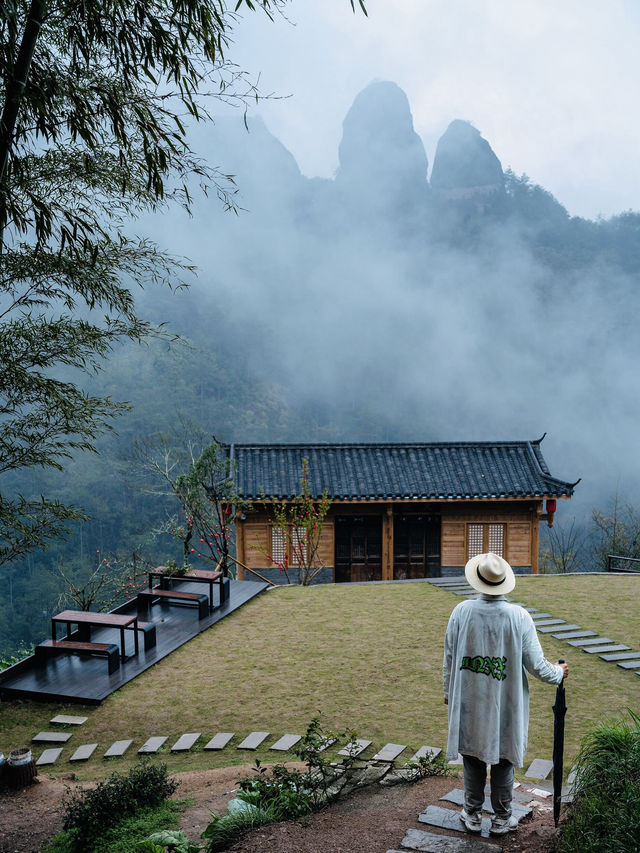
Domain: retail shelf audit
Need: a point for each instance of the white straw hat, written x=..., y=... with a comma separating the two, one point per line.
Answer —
x=490, y=574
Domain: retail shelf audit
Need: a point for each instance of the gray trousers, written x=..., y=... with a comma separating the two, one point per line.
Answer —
x=475, y=778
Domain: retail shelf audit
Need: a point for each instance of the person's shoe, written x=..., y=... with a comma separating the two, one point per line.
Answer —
x=502, y=825
x=473, y=822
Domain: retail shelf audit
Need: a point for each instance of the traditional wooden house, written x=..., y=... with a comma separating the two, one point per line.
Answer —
x=399, y=511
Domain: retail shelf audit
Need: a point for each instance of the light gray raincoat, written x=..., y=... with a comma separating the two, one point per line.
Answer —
x=489, y=647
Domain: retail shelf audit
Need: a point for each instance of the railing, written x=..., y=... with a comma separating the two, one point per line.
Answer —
x=628, y=569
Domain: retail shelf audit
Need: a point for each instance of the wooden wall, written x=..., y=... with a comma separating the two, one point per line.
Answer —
x=520, y=517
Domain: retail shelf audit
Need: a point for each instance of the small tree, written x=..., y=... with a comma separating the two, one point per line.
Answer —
x=184, y=464
x=616, y=531
x=563, y=550
x=297, y=524
x=110, y=580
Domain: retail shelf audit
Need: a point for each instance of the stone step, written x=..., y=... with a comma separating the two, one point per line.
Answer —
x=67, y=720
x=425, y=751
x=621, y=655
x=152, y=745
x=51, y=737
x=118, y=748
x=285, y=743
x=355, y=747
x=49, y=756
x=629, y=664
x=457, y=798
x=574, y=635
x=253, y=740
x=389, y=752
x=84, y=752
x=593, y=641
x=185, y=742
x=429, y=842
x=536, y=616
x=449, y=819
x=549, y=629
x=546, y=622
x=539, y=768
x=610, y=647
x=219, y=741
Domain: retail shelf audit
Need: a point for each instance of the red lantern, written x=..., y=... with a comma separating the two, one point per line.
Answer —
x=551, y=506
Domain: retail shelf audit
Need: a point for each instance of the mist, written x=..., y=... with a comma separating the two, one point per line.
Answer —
x=427, y=307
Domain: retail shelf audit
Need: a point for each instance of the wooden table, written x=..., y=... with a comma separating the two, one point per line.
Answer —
x=87, y=619
x=195, y=576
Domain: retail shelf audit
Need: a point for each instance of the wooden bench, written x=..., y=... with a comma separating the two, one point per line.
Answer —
x=201, y=601
x=72, y=647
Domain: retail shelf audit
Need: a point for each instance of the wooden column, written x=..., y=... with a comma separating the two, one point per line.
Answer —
x=535, y=539
x=240, y=546
x=387, y=544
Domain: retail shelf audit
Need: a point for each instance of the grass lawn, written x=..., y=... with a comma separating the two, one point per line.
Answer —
x=366, y=657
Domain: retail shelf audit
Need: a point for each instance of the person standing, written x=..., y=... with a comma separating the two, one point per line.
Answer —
x=490, y=646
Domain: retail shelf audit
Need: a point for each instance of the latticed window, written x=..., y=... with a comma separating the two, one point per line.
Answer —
x=482, y=538
x=278, y=545
x=298, y=546
x=475, y=540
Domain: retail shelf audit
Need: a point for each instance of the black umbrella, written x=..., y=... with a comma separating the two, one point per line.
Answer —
x=559, y=710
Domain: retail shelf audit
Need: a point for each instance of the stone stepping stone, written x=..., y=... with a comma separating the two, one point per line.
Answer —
x=285, y=743
x=457, y=798
x=326, y=742
x=621, y=655
x=571, y=778
x=84, y=752
x=49, y=756
x=429, y=842
x=457, y=760
x=425, y=751
x=185, y=742
x=449, y=819
x=151, y=745
x=118, y=748
x=389, y=752
x=253, y=740
x=219, y=741
x=539, y=768
x=51, y=737
x=536, y=616
x=574, y=635
x=549, y=629
x=355, y=747
x=66, y=720
x=597, y=650
x=469, y=591
x=629, y=664
x=595, y=641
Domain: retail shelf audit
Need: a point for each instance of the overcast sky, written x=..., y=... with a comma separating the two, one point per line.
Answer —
x=551, y=86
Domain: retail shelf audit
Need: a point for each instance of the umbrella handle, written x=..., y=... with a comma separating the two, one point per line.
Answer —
x=562, y=660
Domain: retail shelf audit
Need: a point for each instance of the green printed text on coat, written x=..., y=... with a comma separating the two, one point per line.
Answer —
x=497, y=667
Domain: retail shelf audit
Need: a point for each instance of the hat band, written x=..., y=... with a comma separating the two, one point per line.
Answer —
x=490, y=583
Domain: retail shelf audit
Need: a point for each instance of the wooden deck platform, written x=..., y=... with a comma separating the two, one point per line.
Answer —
x=70, y=678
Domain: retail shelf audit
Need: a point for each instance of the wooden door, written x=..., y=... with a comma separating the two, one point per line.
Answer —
x=416, y=546
x=358, y=541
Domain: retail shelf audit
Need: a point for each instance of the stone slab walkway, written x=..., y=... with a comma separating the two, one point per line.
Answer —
x=416, y=839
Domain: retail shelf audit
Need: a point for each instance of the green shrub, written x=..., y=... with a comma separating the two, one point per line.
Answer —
x=89, y=815
x=222, y=832
x=604, y=816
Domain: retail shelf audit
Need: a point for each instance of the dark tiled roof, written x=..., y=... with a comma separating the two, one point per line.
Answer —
x=504, y=469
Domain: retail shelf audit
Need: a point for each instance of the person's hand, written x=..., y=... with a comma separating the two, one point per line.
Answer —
x=446, y=700
x=565, y=669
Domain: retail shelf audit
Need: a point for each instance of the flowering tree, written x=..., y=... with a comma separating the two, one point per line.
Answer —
x=110, y=580
x=297, y=528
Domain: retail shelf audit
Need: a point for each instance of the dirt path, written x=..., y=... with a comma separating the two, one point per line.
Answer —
x=372, y=821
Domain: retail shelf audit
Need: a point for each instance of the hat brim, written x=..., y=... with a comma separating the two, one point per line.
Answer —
x=474, y=580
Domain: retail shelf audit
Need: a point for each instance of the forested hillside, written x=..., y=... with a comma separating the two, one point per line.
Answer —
x=390, y=303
